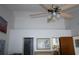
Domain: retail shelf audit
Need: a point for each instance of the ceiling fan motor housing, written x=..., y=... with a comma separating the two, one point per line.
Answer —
x=50, y=10
x=56, y=10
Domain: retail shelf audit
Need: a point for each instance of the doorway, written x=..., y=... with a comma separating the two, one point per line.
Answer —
x=66, y=46
x=28, y=46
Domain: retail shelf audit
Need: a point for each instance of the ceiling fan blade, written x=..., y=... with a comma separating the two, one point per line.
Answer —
x=66, y=15
x=47, y=6
x=42, y=5
x=68, y=6
x=40, y=13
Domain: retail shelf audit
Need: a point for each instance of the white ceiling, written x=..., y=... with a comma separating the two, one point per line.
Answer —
x=37, y=8
x=30, y=7
x=25, y=7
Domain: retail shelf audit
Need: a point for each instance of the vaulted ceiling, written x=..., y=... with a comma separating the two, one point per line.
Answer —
x=25, y=7
x=34, y=7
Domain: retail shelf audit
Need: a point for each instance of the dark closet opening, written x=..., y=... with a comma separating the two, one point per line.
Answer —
x=28, y=46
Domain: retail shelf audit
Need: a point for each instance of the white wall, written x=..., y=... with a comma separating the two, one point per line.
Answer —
x=8, y=16
x=73, y=23
x=23, y=20
x=74, y=26
x=17, y=36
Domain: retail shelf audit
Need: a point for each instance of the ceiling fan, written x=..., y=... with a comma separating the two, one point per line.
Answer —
x=55, y=11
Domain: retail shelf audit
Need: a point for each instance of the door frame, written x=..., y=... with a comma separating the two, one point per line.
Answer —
x=23, y=44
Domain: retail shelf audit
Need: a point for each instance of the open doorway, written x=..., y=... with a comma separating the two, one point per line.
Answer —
x=28, y=46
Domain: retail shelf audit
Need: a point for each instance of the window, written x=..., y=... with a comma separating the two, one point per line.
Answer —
x=77, y=43
x=43, y=43
x=55, y=43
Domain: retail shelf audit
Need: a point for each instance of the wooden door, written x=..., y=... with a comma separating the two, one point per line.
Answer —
x=66, y=46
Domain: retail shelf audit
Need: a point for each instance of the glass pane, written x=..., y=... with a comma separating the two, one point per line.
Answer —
x=77, y=43
x=43, y=43
x=55, y=43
